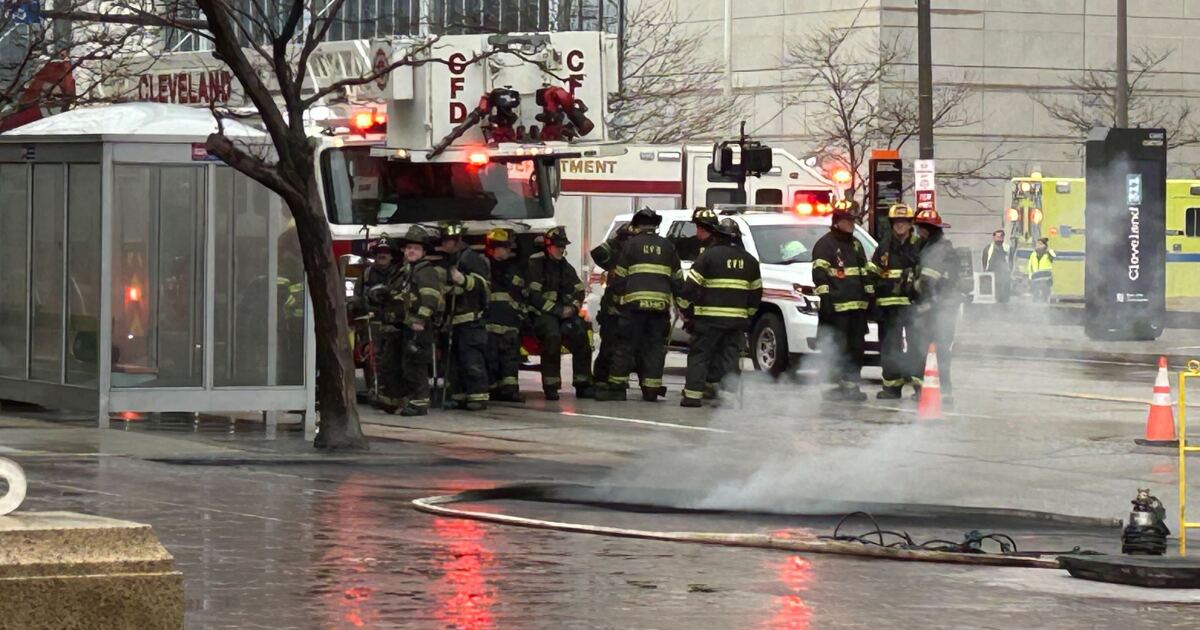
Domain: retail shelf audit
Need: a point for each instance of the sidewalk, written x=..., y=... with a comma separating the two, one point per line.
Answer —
x=1056, y=331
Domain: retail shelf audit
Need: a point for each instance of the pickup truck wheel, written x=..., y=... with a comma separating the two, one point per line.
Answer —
x=769, y=346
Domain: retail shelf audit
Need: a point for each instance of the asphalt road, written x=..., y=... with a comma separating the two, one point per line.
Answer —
x=334, y=544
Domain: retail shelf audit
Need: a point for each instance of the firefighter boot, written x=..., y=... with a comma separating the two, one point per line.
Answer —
x=611, y=393
x=889, y=393
x=690, y=402
x=853, y=393
x=551, y=393
x=413, y=410
x=508, y=394
x=585, y=391
x=650, y=394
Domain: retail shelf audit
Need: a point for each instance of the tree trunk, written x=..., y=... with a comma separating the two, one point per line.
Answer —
x=339, y=427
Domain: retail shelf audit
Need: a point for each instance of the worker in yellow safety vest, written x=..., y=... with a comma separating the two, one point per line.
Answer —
x=1040, y=266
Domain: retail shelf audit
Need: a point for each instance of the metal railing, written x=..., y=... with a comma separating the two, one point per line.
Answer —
x=1192, y=371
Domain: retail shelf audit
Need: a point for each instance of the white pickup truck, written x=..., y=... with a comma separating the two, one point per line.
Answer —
x=785, y=327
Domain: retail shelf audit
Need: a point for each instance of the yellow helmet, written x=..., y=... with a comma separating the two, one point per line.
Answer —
x=901, y=211
x=499, y=237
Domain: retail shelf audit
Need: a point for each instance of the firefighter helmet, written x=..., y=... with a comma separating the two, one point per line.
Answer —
x=500, y=237
x=901, y=211
x=646, y=216
x=556, y=235
x=451, y=229
x=707, y=218
x=728, y=227
x=420, y=235
x=845, y=209
x=930, y=217
x=384, y=244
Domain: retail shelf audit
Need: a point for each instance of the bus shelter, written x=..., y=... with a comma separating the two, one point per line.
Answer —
x=139, y=274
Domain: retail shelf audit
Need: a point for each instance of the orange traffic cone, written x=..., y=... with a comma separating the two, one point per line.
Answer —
x=1160, y=422
x=929, y=407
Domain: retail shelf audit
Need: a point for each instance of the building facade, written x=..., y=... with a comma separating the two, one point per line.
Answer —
x=1011, y=55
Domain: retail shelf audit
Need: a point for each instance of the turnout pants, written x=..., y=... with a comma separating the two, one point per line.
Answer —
x=468, y=377
x=552, y=334
x=937, y=326
x=608, y=345
x=504, y=360
x=390, y=363
x=711, y=348
x=642, y=342
x=900, y=362
x=416, y=360
x=841, y=337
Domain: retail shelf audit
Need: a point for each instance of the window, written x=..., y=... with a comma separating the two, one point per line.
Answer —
x=683, y=236
x=376, y=191
x=769, y=196
x=1192, y=222
x=14, y=272
x=726, y=196
x=786, y=243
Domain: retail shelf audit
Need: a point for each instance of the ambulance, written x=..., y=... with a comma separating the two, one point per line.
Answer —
x=1053, y=208
x=672, y=177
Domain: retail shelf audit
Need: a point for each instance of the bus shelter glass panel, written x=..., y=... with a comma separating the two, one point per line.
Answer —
x=290, y=301
x=45, y=356
x=259, y=299
x=83, y=272
x=14, y=269
x=158, y=246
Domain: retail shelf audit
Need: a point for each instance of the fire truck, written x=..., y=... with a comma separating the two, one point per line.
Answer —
x=670, y=177
x=1053, y=208
x=443, y=138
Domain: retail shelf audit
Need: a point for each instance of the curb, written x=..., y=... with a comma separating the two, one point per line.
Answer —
x=1043, y=352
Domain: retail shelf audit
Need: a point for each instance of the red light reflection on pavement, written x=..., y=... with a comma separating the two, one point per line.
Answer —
x=341, y=515
x=791, y=611
x=465, y=598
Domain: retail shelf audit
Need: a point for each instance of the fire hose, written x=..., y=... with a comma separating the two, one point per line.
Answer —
x=904, y=547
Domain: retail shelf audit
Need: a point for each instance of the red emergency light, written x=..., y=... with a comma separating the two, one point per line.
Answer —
x=133, y=294
x=369, y=122
x=1035, y=215
x=1013, y=214
x=810, y=202
x=478, y=158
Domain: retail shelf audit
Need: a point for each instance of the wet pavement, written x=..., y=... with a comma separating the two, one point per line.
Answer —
x=333, y=543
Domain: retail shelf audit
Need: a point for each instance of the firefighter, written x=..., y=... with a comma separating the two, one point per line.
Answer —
x=505, y=316
x=370, y=293
x=721, y=293
x=998, y=260
x=893, y=267
x=555, y=297
x=466, y=338
x=605, y=257
x=416, y=304
x=938, y=295
x=840, y=274
x=1040, y=269
x=647, y=280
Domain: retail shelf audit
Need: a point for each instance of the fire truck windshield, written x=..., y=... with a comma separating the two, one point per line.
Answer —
x=365, y=190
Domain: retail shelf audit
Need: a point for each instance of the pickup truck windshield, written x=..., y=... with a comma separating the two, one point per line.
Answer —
x=365, y=190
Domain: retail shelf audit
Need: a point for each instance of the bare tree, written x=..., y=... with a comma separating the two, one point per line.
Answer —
x=50, y=62
x=855, y=101
x=1092, y=102
x=670, y=88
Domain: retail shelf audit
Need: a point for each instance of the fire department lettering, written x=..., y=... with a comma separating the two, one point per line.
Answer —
x=589, y=166
x=575, y=65
x=184, y=88
x=735, y=263
x=655, y=250
x=457, y=63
